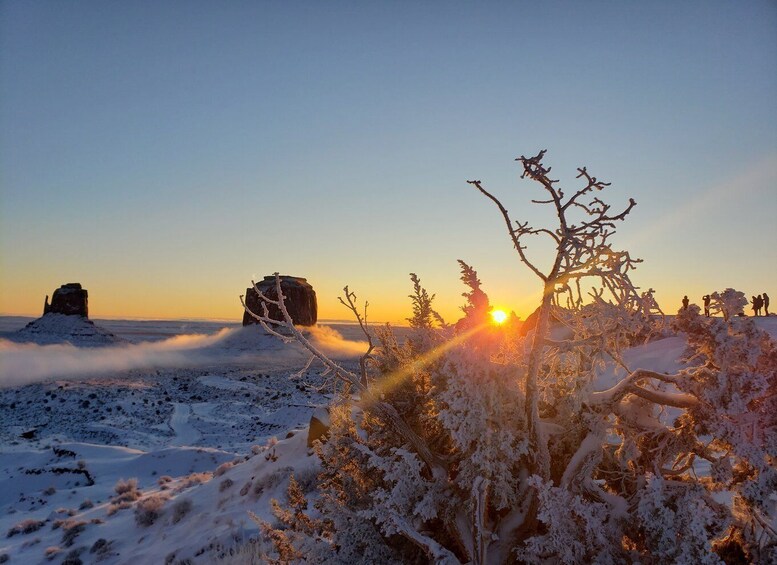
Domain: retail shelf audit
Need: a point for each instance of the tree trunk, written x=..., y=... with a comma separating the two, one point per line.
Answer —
x=538, y=442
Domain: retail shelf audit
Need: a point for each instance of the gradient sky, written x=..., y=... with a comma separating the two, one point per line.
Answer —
x=164, y=153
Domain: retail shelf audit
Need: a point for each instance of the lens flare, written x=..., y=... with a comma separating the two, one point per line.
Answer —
x=499, y=316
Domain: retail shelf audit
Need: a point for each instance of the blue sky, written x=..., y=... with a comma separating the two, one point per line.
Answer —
x=164, y=153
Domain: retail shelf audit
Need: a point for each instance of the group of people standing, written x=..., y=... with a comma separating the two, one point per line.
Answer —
x=760, y=302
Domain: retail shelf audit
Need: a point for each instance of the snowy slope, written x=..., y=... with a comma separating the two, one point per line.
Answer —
x=59, y=328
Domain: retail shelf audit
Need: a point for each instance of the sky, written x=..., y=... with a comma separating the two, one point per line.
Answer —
x=163, y=154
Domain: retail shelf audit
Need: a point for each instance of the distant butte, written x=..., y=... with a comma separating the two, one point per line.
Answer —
x=300, y=299
x=65, y=320
x=69, y=299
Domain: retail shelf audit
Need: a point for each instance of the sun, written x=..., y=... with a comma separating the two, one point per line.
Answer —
x=499, y=316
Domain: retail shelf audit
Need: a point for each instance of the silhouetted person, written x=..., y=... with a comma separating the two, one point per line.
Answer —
x=759, y=303
x=685, y=302
x=754, y=306
x=766, y=303
x=706, y=299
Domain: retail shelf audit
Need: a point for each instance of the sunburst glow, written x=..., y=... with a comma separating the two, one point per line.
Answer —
x=499, y=316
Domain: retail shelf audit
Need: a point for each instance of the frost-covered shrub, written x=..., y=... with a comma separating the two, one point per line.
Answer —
x=728, y=303
x=468, y=445
x=578, y=530
x=677, y=521
x=307, y=479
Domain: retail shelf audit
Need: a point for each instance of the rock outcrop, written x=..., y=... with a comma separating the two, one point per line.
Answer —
x=69, y=299
x=319, y=425
x=300, y=299
x=66, y=320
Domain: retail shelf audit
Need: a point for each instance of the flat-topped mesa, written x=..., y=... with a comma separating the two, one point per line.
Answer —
x=300, y=300
x=69, y=299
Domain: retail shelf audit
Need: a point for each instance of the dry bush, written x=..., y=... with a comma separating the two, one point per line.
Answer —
x=72, y=558
x=71, y=530
x=225, y=484
x=126, y=490
x=181, y=509
x=101, y=547
x=223, y=468
x=126, y=493
x=113, y=508
x=26, y=527
x=250, y=553
x=30, y=543
x=194, y=479
x=148, y=510
x=272, y=480
x=52, y=552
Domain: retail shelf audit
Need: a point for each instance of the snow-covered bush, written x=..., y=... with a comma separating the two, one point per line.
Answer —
x=468, y=445
x=728, y=303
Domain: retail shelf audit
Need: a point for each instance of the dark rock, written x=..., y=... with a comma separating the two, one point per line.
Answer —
x=69, y=299
x=319, y=425
x=300, y=299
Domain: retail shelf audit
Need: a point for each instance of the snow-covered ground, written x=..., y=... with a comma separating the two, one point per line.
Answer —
x=165, y=403
x=191, y=411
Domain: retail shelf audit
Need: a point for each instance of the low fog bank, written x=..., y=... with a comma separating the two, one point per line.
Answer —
x=27, y=363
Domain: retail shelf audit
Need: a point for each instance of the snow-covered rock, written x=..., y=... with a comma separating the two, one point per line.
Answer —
x=61, y=328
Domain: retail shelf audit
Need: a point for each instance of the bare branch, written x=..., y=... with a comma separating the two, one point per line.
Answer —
x=510, y=229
